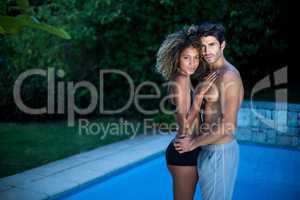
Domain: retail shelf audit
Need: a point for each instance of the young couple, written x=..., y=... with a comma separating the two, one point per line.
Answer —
x=204, y=147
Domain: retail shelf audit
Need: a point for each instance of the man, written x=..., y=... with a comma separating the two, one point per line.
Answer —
x=218, y=160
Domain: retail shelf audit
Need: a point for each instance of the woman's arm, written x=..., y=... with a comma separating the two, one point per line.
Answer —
x=179, y=91
x=231, y=105
x=186, y=115
x=201, y=90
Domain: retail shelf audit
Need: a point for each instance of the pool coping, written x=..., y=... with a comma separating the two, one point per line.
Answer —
x=61, y=177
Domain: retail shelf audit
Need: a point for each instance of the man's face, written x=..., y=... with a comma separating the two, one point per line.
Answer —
x=212, y=50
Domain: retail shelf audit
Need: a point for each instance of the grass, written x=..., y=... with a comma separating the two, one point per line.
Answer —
x=25, y=146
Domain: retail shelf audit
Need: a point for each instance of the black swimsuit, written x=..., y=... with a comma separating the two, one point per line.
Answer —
x=173, y=157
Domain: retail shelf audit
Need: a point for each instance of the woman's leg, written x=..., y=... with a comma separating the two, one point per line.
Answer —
x=184, y=181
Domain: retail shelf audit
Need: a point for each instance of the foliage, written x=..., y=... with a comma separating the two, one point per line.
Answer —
x=13, y=25
x=126, y=35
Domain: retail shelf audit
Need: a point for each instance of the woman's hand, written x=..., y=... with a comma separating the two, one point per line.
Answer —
x=183, y=144
x=205, y=85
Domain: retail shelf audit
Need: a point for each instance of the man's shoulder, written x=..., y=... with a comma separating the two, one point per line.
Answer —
x=230, y=73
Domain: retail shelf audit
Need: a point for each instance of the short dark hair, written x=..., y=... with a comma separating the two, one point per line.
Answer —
x=212, y=29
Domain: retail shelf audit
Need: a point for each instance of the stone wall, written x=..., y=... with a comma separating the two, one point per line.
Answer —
x=269, y=123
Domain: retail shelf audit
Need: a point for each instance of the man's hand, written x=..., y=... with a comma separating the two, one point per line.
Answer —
x=183, y=144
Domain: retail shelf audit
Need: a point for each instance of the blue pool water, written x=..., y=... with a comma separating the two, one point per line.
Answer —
x=264, y=173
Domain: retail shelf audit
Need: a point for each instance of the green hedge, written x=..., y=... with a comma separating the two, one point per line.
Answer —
x=121, y=34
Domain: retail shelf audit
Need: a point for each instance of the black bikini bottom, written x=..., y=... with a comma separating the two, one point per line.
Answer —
x=173, y=157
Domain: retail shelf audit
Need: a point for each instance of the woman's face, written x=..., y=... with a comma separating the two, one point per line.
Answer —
x=189, y=60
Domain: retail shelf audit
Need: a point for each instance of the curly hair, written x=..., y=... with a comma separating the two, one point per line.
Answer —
x=168, y=55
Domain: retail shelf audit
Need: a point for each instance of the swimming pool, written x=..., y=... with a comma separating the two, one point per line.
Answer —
x=264, y=173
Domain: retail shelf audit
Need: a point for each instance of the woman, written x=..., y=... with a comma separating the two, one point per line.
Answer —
x=177, y=59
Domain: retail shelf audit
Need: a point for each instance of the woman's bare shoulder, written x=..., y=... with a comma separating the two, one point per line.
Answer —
x=179, y=80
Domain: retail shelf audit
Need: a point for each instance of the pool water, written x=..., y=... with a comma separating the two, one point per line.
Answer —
x=264, y=173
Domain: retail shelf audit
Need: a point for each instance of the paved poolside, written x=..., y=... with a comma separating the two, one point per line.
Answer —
x=53, y=179
x=50, y=180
